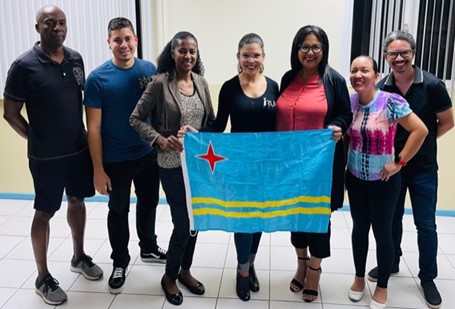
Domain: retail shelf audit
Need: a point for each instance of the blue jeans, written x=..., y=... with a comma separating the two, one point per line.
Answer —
x=423, y=190
x=143, y=172
x=245, y=245
x=181, y=245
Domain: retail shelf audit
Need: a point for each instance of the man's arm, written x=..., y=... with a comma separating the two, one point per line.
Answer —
x=445, y=122
x=12, y=114
x=101, y=180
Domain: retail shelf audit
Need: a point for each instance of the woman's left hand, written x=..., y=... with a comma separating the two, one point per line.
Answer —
x=184, y=129
x=389, y=170
x=337, y=132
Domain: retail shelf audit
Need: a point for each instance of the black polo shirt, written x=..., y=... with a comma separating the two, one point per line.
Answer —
x=52, y=93
x=426, y=97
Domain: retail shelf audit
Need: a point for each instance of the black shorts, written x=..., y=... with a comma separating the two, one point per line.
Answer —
x=51, y=177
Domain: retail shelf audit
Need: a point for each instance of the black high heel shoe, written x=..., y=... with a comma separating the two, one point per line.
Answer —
x=242, y=287
x=175, y=299
x=253, y=279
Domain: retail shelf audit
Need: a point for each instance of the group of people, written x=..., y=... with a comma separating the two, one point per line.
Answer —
x=137, y=113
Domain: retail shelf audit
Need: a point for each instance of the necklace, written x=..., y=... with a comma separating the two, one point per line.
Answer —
x=186, y=88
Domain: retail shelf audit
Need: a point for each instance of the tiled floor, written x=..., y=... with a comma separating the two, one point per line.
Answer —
x=214, y=265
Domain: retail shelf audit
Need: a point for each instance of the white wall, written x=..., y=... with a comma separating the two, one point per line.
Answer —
x=87, y=28
x=219, y=25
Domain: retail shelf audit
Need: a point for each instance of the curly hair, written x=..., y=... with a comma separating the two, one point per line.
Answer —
x=165, y=62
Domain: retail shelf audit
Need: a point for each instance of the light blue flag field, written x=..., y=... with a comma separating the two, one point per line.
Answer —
x=259, y=182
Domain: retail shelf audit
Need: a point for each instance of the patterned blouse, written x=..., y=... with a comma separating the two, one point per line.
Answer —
x=372, y=133
x=192, y=111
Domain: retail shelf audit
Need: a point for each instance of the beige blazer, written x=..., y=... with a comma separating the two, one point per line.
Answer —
x=161, y=101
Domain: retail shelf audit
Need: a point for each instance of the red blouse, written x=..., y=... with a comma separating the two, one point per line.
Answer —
x=302, y=106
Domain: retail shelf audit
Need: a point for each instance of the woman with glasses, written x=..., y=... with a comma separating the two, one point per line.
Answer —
x=314, y=96
x=177, y=96
x=373, y=181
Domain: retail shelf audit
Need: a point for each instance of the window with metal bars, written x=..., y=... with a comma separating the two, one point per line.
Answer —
x=432, y=23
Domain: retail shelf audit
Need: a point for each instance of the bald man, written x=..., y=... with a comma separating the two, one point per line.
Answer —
x=49, y=80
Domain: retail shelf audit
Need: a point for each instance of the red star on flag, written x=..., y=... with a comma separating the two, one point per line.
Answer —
x=211, y=157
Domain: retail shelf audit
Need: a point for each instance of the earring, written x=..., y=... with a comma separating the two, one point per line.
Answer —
x=261, y=69
x=239, y=68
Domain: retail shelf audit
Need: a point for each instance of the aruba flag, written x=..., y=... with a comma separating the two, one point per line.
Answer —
x=259, y=182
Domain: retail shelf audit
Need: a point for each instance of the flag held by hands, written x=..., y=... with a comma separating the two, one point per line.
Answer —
x=259, y=182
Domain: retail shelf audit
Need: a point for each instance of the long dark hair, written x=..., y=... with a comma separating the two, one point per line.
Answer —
x=298, y=40
x=166, y=63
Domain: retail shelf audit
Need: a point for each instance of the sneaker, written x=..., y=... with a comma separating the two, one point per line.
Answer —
x=156, y=256
x=86, y=267
x=431, y=294
x=116, y=280
x=373, y=274
x=49, y=290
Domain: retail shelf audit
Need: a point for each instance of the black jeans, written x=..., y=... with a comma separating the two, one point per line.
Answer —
x=143, y=172
x=373, y=203
x=181, y=245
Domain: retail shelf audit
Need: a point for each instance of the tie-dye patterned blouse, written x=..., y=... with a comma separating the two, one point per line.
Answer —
x=372, y=133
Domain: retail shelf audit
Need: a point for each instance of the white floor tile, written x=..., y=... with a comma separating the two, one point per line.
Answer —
x=130, y=301
x=215, y=263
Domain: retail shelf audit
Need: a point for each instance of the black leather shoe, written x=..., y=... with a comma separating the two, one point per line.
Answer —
x=253, y=279
x=175, y=299
x=431, y=293
x=242, y=287
x=197, y=289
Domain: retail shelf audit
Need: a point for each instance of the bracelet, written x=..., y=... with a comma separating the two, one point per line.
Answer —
x=399, y=161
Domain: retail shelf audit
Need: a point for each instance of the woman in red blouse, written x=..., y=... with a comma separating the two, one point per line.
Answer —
x=314, y=96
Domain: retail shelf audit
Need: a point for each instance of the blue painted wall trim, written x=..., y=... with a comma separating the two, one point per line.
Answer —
x=96, y=198
x=102, y=198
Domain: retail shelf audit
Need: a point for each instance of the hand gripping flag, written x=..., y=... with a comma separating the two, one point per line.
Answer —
x=259, y=182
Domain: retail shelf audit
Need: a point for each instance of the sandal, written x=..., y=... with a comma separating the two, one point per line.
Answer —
x=310, y=292
x=295, y=285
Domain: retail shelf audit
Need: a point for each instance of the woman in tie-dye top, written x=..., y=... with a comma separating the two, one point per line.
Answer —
x=372, y=180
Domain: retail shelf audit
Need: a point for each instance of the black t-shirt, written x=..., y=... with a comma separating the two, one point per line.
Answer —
x=52, y=93
x=426, y=97
x=247, y=114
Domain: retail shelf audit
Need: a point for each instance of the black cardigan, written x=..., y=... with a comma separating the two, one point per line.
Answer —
x=338, y=113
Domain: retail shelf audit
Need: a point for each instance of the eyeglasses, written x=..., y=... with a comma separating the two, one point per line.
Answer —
x=306, y=48
x=183, y=51
x=403, y=54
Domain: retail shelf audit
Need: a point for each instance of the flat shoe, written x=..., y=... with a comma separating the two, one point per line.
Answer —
x=197, y=289
x=175, y=299
x=355, y=296
x=375, y=305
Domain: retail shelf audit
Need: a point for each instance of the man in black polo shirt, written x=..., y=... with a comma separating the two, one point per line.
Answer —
x=428, y=98
x=49, y=79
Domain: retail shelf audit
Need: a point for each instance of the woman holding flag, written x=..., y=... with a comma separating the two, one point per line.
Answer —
x=314, y=96
x=177, y=96
x=249, y=100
